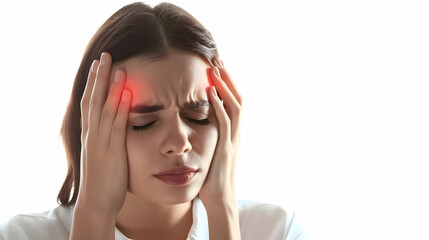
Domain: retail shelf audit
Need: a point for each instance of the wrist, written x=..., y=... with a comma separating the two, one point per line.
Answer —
x=84, y=211
x=220, y=203
x=223, y=221
x=221, y=207
x=88, y=224
x=86, y=207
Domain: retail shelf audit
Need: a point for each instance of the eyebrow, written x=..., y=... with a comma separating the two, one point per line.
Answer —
x=196, y=105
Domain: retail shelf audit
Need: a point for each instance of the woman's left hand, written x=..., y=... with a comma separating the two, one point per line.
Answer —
x=219, y=187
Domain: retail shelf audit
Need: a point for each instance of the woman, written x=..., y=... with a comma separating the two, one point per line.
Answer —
x=151, y=134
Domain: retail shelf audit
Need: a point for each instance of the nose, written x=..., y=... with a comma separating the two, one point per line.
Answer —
x=176, y=141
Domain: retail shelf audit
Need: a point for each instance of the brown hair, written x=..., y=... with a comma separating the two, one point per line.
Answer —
x=134, y=29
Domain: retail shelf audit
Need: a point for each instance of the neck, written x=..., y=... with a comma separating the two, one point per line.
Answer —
x=139, y=219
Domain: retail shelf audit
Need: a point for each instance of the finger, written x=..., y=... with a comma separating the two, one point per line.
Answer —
x=84, y=103
x=119, y=128
x=232, y=106
x=99, y=92
x=110, y=109
x=226, y=77
x=222, y=117
x=222, y=88
x=224, y=126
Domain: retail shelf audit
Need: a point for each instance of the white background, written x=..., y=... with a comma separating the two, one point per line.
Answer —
x=336, y=109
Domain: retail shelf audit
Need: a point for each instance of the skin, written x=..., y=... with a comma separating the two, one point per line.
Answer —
x=118, y=187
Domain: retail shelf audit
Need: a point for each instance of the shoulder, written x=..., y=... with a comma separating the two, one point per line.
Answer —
x=52, y=224
x=260, y=220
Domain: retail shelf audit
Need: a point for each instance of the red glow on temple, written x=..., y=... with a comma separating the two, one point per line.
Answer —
x=210, y=81
x=136, y=91
x=209, y=77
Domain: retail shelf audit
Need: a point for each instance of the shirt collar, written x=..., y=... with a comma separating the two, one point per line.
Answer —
x=200, y=226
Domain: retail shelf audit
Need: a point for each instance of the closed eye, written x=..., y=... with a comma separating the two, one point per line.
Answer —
x=197, y=121
x=137, y=128
x=200, y=121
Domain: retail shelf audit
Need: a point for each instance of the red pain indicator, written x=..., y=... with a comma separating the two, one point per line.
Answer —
x=209, y=77
x=132, y=87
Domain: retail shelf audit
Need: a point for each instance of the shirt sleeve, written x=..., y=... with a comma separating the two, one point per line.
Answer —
x=269, y=222
x=25, y=227
x=11, y=229
x=294, y=230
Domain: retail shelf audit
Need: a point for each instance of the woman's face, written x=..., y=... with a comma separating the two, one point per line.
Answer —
x=171, y=137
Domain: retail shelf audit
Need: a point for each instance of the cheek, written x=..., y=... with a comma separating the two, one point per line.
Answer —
x=212, y=139
x=139, y=151
x=205, y=145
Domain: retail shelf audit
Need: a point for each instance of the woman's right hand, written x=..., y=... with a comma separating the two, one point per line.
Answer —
x=104, y=164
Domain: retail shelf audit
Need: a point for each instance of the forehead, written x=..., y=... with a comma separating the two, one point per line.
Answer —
x=180, y=76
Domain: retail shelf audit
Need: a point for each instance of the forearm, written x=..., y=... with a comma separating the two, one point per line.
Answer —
x=224, y=222
x=87, y=226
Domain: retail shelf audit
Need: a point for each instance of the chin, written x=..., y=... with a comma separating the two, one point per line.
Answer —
x=169, y=196
x=174, y=198
x=161, y=193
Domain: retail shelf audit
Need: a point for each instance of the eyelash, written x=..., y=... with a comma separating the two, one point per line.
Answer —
x=200, y=122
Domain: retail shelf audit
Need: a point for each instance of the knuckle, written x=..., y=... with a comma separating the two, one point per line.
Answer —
x=237, y=108
x=93, y=102
x=107, y=114
x=83, y=138
x=83, y=101
x=229, y=147
x=240, y=98
x=90, y=137
x=238, y=116
x=227, y=121
x=117, y=128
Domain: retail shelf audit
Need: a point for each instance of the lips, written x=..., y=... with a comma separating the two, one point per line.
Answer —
x=177, y=171
x=179, y=176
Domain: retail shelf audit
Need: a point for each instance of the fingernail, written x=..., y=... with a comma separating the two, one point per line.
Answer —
x=221, y=62
x=125, y=95
x=118, y=75
x=103, y=58
x=217, y=72
x=94, y=66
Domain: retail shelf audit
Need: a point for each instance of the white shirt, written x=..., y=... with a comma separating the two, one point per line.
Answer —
x=258, y=221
